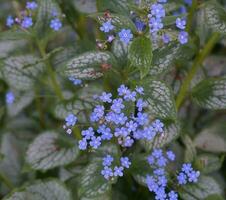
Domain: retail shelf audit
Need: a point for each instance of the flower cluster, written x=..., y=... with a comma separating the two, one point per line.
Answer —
x=115, y=123
x=10, y=97
x=70, y=121
x=157, y=182
x=25, y=20
x=109, y=172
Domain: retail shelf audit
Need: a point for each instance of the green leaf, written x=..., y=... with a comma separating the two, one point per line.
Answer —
x=209, y=163
x=42, y=190
x=171, y=132
x=18, y=77
x=45, y=10
x=140, y=54
x=212, y=138
x=215, y=197
x=92, y=183
x=206, y=186
x=119, y=21
x=49, y=150
x=211, y=93
x=14, y=35
x=90, y=65
x=160, y=99
x=164, y=58
x=120, y=51
x=114, y=6
x=215, y=16
x=190, y=151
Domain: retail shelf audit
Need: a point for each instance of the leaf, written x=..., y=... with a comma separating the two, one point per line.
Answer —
x=206, y=186
x=86, y=6
x=210, y=93
x=90, y=65
x=140, y=54
x=45, y=10
x=21, y=101
x=14, y=35
x=209, y=163
x=42, y=190
x=212, y=138
x=120, y=51
x=171, y=132
x=190, y=151
x=215, y=16
x=49, y=150
x=92, y=183
x=114, y=6
x=18, y=77
x=118, y=21
x=10, y=165
x=160, y=99
x=164, y=58
x=215, y=197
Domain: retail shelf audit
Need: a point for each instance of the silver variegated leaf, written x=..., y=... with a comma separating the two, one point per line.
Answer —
x=90, y=65
x=210, y=93
x=19, y=77
x=205, y=187
x=215, y=16
x=47, y=152
x=163, y=58
x=42, y=190
x=120, y=50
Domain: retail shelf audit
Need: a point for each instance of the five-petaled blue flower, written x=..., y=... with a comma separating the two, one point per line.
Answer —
x=125, y=35
x=55, y=24
x=107, y=27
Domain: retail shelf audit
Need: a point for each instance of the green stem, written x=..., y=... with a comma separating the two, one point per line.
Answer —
x=6, y=181
x=191, y=15
x=196, y=65
x=51, y=72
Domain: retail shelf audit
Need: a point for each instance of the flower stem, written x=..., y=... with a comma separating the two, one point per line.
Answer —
x=196, y=65
x=6, y=181
x=191, y=15
x=51, y=72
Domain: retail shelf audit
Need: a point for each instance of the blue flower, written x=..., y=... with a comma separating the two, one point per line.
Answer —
x=97, y=113
x=162, y=161
x=140, y=104
x=107, y=173
x=82, y=144
x=71, y=120
x=31, y=5
x=160, y=193
x=149, y=133
x=125, y=162
x=9, y=21
x=95, y=142
x=117, y=105
x=189, y=2
x=123, y=132
x=107, y=160
x=162, y=1
x=171, y=156
x=182, y=178
x=183, y=37
x=193, y=176
x=123, y=90
x=139, y=90
x=180, y=23
x=106, y=134
x=142, y=118
x=186, y=168
x=26, y=22
x=155, y=24
x=125, y=35
x=159, y=171
x=75, y=81
x=55, y=24
x=118, y=171
x=166, y=38
x=158, y=126
x=130, y=96
x=128, y=142
x=173, y=195
x=140, y=25
x=151, y=183
x=106, y=97
x=157, y=153
x=10, y=98
x=88, y=134
x=151, y=160
x=120, y=118
x=158, y=10
x=106, y=27
x=131, y=126
x=162, y=181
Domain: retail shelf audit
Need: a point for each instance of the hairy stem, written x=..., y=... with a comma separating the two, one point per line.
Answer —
x=191, y=15
x=196, y=65
x=51, y=72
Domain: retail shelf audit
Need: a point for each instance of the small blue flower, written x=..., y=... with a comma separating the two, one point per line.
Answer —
x=160, y=193
x=83, y=144
x=142, y=118
x=117, y=105
x=151, y=183
x=107, y=27
x=186, y=168
x=31, y=5
x=139, y=90
x=131, y=126
x=158, y=126
x=97, y=113
x=55, y=24
x=122, y=90
x=162, y=181
x=157, y=153
x=193, y=176
x=9, y=21
x=95, y=142
x=130, y=96
x=107, y=173
x=140, y=25
x=106, y=134
x=118, y=171
x=10, y=98
x=106, y=97
x=183, y=37
x=120, y=119
x=149, y=133
x=125, y=162
x=158, y=172
x=75, y=81
x=125, y=35
x=180, y=23
x=182, y=178
x=189, y=2
x=162, y=161
x=151, y=159
x=171, y=156
x=128, y=142
x=158, y=10
x=166, y=38
x=123, y=132
x=107, y=160
x=88, y=134
x=140, y=104
x=26, y=22
x=173, y=195
x=155, y=24
x=71, y=120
